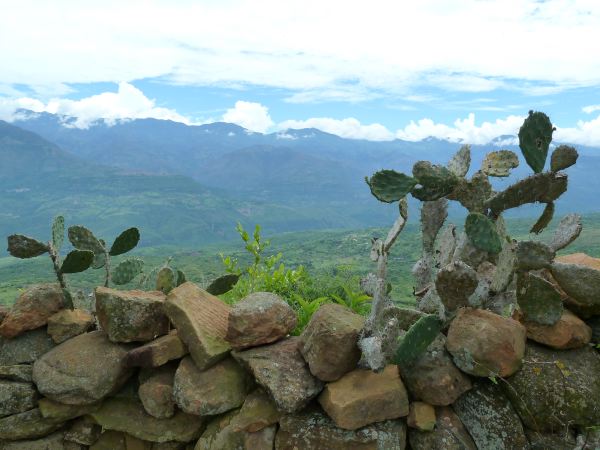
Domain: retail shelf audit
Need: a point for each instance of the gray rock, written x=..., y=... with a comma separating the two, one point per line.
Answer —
x=449, y=434
x=16, y=397
x=261, y=440
x=26, y=348
x=220, y=434
x=582, y=285
x=53, y=441
x=490, y=419
x=68, y=323
x=282, y=371
x=549, y=441
x=27, y=425
x=83, y=431
x=82, y=370
x=433, y=378
x=556, y=388
x=157, y=352
x=60, y=412
x=18, y=372
x=156, y=391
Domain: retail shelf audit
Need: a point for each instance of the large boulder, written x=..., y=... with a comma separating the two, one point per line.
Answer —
x=282, y=371
x=156, y=391
x=568, y=332
x=26, y=348
x=209, y=392
x=485, y=344
x=201, y=322
x=490, y=419
x=32, y=309
x=556, y=387
x=581, y=283
x=131, y=316
x=59, y=412
x=449, y=434
x=68, y=323
x=312, y=429
x=260, y=318
x=362, y=397
x=158, y=352
x=329, y=343
x=16, y=397
x=433, y=378
x=82, y=370
x=27, y=425
x=128, y=416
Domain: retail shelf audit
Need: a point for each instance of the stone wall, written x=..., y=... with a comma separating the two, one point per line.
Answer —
x=187, y=371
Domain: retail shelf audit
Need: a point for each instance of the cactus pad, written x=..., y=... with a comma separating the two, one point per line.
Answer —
x=223, y=284
x=505, y=267
x=416, y=340
x=127, y=270
x=541, y=187
x=58, y=232
x=181, y=278
x=535, y=136
x=390, y=186
x=84, y=239
x=544, y=219
x=125, y=242
x=461, y=161
x=433, y=215
x=534, y=255
x=563, y=156
x=24, y=247
x=498, y=164
x=77, y=261
x=455, y=283
x=538, y=300
x=569, y=229
x=474, y=193
x=166, y=280
x=434, y=181
x=482, y=233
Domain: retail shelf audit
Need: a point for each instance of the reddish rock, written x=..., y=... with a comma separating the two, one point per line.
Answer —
x=569, y=332
x=201, y=322
x=362, y=397
x=68, y=323
x=157, y=352
x=282, y=371
x=32, y=309
x=260, y=318
x=329, y=342
x=257, y=412
x=485, y=344
x=3, y=312
x=131, y=316
x=421, y=416
x=581, y=259
x=156, y=391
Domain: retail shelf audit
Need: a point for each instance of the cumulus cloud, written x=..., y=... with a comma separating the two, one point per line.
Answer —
x=583, y=133
x=127, y=103
x=590, y=109
x=470, y=45
x=348, y=128
x=250, y=115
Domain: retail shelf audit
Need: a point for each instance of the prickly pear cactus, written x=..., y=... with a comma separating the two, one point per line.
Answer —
x=538, y=299
x=434, y=181
x=58, y=232
x=535, y=136
x=125, y=242
x=223, y=284
x=127, y=270
x=166, y=280
x=544, y=219
x=390, y=186
x=499, y=164
x=83, y=239
x=455, y=283
x=77, y=261
x=482, y=233
x=416, y=340
x=461, y=161
x=473, y=193
x=534, y=255
x=24, y=247
x=569, y=229
x=563, y=157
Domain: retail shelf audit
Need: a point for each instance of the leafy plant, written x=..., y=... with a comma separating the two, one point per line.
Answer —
x=305, y=310
x=357, y=301
x=83, y=239
x=77, y=260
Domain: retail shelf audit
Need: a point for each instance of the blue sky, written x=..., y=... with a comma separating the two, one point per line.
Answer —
x=459, y=70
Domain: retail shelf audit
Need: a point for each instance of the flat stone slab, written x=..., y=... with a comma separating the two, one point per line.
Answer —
x=82, y=370
x=27, y=425
x=59, y=412
x=53, y=441
x=567, y=333
x=128, y=416
x=213, y=391
x=68, y=323
x=260, y=318
x=18, y=372
x=16, y=397
x=282, y=371
x=362, y=397
x=131, y=316
x=26, y=348
x=201, y=322
x=157, y=352
x=330, y=341
x=314, y=430
x=32, y=309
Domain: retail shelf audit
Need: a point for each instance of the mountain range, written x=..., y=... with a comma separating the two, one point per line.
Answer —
x=190, y=184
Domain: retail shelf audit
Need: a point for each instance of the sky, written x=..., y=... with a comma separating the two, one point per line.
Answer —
x=380, y=69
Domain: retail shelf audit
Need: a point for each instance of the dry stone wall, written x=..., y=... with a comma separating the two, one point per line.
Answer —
x=187, y=371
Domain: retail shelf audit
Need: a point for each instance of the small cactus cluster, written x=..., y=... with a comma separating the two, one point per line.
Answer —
x=77, y=260
x=481, y=266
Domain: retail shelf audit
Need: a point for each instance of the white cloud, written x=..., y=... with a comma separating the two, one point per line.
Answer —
x=347, y=128
x=127, y=103
x=584, y=133
x=250, y=115
x=334, y=49
x=590, y=109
